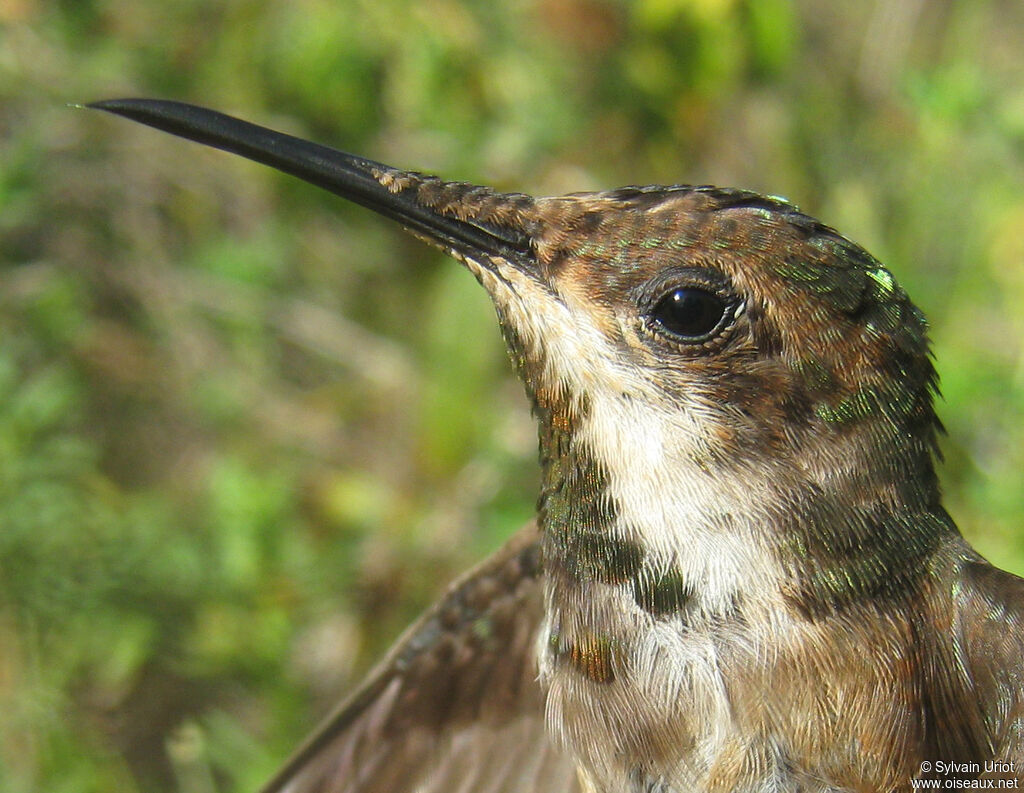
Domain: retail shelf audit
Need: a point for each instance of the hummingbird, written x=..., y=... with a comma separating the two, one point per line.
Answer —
x=740, y=576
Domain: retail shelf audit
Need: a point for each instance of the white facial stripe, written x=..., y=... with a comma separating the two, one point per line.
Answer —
x=690, y=521
x=574, y=350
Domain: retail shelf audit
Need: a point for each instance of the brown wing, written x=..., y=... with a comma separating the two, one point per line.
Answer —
x=993, y=638
x=455, y=707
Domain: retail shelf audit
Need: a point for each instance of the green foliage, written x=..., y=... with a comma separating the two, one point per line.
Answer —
x=246, y=431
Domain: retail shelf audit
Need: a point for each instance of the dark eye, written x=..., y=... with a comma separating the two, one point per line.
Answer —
x=690, y=313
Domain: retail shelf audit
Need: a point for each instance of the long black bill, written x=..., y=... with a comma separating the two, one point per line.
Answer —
x=351, y=177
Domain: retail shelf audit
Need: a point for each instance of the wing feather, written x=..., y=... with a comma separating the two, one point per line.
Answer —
x=455, y=707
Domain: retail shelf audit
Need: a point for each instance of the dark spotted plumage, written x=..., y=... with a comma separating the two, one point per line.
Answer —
x=743, y=578
x=662, y=594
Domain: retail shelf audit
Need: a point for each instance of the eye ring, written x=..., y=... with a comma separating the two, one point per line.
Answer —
x=692, y=314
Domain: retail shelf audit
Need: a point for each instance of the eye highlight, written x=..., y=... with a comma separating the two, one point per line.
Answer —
x=691, y=314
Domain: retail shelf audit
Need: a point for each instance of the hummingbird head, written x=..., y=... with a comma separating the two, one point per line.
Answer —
x=708, y=351
x=767, y=336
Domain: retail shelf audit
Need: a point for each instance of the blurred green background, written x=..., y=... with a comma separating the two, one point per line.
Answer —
x=247, y=430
